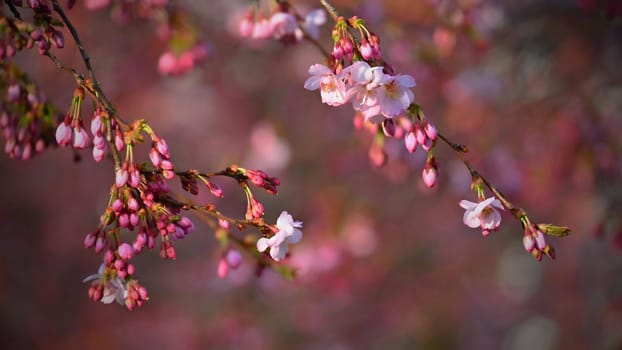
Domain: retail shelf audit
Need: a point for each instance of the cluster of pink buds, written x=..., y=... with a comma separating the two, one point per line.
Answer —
x=42, y=35
x=71, y=130
x=160, y=157
x=98, y=129
x=180, y=64
x=535, y=243
x=26, y=119
x=283, y=25
x=260, y=179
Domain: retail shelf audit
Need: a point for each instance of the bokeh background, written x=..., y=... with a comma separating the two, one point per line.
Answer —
x=534, y=89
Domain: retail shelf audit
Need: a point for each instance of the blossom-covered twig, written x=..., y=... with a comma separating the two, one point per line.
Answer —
x=140, y=201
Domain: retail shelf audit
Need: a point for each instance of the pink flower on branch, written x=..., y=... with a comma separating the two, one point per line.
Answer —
x=482, y=214
x=288, y=233
x=332, y=89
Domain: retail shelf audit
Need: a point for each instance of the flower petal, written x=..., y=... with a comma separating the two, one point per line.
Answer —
x=262, y=244
x=467, y=204
x=295, y=237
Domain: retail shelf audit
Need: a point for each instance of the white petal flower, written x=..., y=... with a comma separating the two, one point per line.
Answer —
x=482, y=214
x=332, y=89
x=288, y=233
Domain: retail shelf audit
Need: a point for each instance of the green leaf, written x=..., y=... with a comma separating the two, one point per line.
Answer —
x=552, y=230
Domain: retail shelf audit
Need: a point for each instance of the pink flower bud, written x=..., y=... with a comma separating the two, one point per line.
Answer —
x=420, y=135
x=233, y=258
x=119, y=265
x=430, y=131
x=119, y=143
x=99, y=154
x=134, y=219
x=125, y=251
x=100, y=244
x=167, y=63
x=96, y=125
x=64, y=134
x=429, y=176
x=108, y=257
x=121, y=177
x=81, y=139
x=366, y=50
x=528, y=243
x=222, y=269
x=59, y=40
x=155, y=158
x=131, y=269
x=377, y=156
x=166, y=165
x=224, y=224
x=215, y=189
x=411, y=142
x=99, y=142
x=245, y=27
x=117, y=205
x=540, y=240
x=124, y=220
x=134, y=179
x=89, y=240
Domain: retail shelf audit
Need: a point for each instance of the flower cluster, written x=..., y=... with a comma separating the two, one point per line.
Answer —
x=71, y=130
x=284, y=24
x=26, y=119
x=535, y=243
x=43, y=34
x=170, y=63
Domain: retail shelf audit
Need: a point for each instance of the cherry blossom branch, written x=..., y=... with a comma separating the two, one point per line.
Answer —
x=364, y=78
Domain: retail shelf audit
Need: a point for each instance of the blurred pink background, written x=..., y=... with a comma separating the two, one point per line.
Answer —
x=385, y=263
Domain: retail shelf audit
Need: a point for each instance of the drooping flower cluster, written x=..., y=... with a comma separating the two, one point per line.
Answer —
x=373, y=92
x=26, y=119
x=535, y=243
x=42, y=35
x=284, y=24
x=287, y=232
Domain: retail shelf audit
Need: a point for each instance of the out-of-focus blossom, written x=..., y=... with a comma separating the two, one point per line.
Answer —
x=288, y=233
x=282, y=24
x=313, y=21
x=482, y=214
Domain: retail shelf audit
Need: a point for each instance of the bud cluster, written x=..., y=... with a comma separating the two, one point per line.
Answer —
x=284, y=24
x=43, y=34
x=26, y=119
x=535, y=243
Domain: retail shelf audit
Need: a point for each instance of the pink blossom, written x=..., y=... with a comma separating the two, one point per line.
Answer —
x=233, y=258
x=167, y=63
x=288, y=233
x=246, y=26
x=482, y=214
x=262, y=29
x=332, y=89
x=364, y=81
x=395, y=95
x=282, y=24
x=313, y=21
